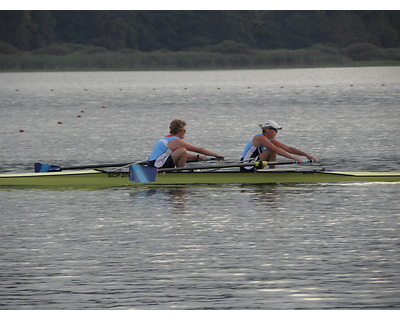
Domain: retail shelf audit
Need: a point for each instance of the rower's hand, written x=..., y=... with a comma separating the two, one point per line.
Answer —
x=204, y=158
x=313, y=159
x=298, y=160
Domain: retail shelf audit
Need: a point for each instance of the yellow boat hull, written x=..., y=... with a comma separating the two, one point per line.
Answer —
x=98, y=179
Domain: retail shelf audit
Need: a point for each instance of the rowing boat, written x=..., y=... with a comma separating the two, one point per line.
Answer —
x=106, y=179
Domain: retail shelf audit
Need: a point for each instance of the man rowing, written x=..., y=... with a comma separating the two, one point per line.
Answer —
x=264, y=147
x=172, y=150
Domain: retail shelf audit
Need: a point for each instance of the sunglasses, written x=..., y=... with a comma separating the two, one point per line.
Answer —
x=276, y=130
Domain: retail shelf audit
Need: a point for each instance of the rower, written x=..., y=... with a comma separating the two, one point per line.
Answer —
x=172, y=150
x=264, y=147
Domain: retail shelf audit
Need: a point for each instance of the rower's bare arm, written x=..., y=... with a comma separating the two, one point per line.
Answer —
x=277, y=147
x=206, y=152
x=302, y=153
x=180, y=143
x=282, y=150
x=296, y=151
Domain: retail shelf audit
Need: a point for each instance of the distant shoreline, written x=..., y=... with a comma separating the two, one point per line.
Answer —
x=175, y=61
x=376, y=64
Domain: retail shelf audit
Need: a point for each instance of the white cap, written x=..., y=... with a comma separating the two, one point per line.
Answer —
x=271, y=124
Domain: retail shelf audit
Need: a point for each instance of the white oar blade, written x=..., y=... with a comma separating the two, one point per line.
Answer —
x=142, y=174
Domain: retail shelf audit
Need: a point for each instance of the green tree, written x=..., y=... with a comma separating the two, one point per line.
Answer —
x=17, y=28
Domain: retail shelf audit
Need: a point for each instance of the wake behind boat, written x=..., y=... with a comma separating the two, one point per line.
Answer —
x=218, y=174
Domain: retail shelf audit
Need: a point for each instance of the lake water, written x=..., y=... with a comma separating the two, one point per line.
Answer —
x=322, y=246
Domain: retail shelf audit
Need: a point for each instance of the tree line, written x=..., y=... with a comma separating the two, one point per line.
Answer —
x=98, y=39
x=192, y=30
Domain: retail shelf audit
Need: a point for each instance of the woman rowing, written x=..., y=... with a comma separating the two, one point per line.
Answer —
x=264, y=147
x=172, y=150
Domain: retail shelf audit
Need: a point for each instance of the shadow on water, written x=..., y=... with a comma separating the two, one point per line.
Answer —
x=183, y=200
x=175, y=199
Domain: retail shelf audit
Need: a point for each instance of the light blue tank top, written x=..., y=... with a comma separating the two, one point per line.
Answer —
x=250, y=151
x=161, y=147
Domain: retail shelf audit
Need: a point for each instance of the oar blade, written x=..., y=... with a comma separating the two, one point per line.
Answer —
x=142, y=174
x=43, y=167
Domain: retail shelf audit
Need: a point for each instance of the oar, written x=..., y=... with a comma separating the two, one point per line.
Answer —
x=145, y=174
x=43, y=167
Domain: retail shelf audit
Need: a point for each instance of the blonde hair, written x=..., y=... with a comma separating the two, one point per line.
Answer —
x=176, y=126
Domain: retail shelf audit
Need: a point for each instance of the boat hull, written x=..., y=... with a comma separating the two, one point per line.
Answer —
x=98, y=179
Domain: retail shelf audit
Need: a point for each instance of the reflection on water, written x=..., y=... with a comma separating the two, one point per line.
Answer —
x=272, y=247
x=263, y=194
x=173, y=199
x=179, y=199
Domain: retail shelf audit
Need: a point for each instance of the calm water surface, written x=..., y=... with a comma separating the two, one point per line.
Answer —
x=326, y=246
